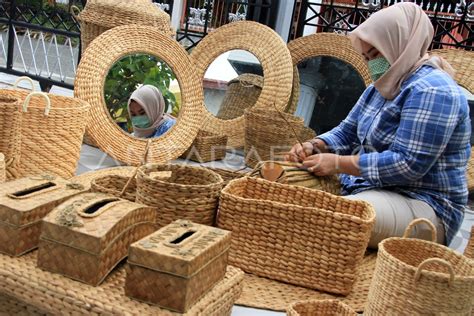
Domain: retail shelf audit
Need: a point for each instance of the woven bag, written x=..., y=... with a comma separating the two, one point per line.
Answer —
x=52, y=128
x=268, y=136
x=99, y=16
x=320, y=308
x=207, y=147
x=3, y=176
x=10, y=132
x=179, y=192
x=114, y=184
x=291, y=173
x=296, y=235
x=414, y=277
x=242, y=93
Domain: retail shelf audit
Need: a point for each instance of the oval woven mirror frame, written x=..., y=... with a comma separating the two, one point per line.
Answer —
x=96, y=62
x=325, y=44
x=268, y=48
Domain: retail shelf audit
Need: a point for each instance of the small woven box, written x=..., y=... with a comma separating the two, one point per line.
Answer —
x=320, y=308
x=86, y=236
x=177, y=265
x=207, y=147
x=23, y=204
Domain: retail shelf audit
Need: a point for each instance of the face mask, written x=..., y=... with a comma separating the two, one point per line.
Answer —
x=141, y=121
x=378, y=67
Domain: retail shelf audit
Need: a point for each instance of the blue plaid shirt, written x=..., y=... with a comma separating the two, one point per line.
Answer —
x=416, y=144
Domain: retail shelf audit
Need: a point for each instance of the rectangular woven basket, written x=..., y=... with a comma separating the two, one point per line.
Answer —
x=207, y=147
x=293, y=234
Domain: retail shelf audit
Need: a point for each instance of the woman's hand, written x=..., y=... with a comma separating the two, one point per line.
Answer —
x=322, y=164
x=299, y=153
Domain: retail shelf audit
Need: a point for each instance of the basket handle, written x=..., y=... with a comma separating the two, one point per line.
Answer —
x=26, y=103
x=24, y=78
x=143, y=161
x=439, y=261
x=417, y=221
x=75, y=11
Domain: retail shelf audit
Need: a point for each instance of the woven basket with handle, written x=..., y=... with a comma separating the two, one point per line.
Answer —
x=10, y=132
x=414, y=277
x=296, y=235
x=321, y=308
x=179, y=192
x=268, y=136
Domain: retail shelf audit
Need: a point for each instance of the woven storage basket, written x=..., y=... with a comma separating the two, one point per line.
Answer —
x=414, y=277
x=55, y=294
x=268, y=136
x=242, y=93
x=101, y=15
x=175, y=266
x=469, y=251
x=294, y=234
x=291, y=173
x=113, y=184
x=10, y=133
x=463, y=62
x=3, y=175
x=321, y=308
x=207, y=147
x=179, y=192
x=228, y=175
x=85, y=237
x=51, y=135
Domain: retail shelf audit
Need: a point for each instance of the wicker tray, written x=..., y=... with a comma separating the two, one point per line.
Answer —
x=19, y=278
x=269, y=294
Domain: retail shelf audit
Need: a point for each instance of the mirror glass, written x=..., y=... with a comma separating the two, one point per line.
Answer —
x=142, y=95
x=329, y=88
x=232, y=83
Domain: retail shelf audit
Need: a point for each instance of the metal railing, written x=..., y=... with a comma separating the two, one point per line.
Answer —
x=452, y=19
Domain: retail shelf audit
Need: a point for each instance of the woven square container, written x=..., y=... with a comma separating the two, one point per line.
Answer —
x=23, y=204
x=177, y=265
x=294, y=234
x=207, y=147
x=88, y=235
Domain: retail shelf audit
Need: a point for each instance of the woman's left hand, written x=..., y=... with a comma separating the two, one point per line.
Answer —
x=322, y=164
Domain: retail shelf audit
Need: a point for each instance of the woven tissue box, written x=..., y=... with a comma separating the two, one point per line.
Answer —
x=23, y=204
x=177, y=265
x=88, y=235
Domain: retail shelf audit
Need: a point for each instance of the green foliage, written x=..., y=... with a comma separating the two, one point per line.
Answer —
x=127, y=75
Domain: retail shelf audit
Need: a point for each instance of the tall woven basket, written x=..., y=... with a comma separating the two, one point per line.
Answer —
x=268, y=136
x=294, y=234
x=207, y=147
x=414, y=277
x=10, y=133
x=52, y=128
x=242, y=93
x=179, y=192
x=101, y=15
x=320, y=308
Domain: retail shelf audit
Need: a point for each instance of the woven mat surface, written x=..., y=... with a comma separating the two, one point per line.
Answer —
x=22, y=280
x=269, y=294
x=11, y=306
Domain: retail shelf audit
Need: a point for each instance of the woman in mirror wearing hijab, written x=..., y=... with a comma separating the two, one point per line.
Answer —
x=405, y=145
x=146, y=108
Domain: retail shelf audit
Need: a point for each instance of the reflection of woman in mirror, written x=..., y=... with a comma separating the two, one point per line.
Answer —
x=146, y=108
x=404, y=146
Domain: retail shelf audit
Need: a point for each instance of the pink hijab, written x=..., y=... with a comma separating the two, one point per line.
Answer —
x=402, y=33
x=152, y=101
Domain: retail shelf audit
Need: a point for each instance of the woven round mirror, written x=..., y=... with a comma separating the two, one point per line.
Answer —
x=331, y=77
x=266, y=50
x=101, y=58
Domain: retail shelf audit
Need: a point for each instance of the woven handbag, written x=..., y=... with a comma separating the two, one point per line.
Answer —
x=268, y=136
x=296, y=235
x=320, y=308
x=291, y=173
x=10, y=132
x=179, y=192
x=207, y=147
x=414, y=277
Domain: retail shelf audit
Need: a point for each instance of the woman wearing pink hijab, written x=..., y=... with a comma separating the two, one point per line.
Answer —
x=404, y=146
x=146, y=108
